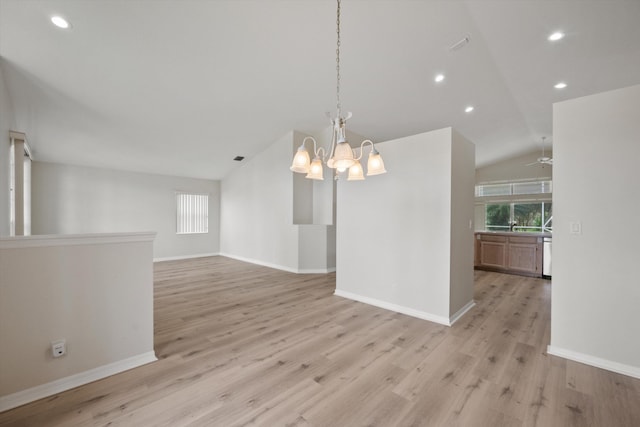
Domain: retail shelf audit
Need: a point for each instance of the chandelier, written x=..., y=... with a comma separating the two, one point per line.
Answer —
x=340, y=155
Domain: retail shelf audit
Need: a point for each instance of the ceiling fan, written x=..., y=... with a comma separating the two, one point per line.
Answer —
x=542, y=160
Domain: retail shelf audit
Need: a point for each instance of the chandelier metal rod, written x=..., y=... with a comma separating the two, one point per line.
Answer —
x=338, y=104
x=340, y=155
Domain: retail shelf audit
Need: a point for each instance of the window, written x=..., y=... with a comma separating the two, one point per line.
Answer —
x=514, y=188
x=529, y=217
x=498, y=217
x=539, y=187
x=192, y=213
x=523, y=205
x=493, y=190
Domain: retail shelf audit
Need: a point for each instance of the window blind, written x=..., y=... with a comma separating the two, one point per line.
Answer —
x=514, y=188
x=192, y=213
x=540, y=187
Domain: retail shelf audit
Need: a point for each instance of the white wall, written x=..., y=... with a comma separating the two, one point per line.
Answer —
x=463, y=160
x=595, y=289
x=7, y=123
x=74, y=199
x=257, y=209
x=313, y=249
x=396, y=246
x=268, y=215
x=516, y=169
x=94, y=291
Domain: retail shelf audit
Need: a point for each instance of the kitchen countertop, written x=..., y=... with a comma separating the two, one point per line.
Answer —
x=515, y=233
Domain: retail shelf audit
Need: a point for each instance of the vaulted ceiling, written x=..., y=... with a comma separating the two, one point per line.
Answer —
x=181, y=87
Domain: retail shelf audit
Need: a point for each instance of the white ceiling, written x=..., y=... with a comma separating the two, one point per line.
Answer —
x=181, y=87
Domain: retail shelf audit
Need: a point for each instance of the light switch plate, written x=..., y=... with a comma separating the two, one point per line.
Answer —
x=575, y=227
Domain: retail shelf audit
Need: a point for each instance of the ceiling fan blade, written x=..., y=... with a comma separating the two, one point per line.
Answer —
x=531, y=164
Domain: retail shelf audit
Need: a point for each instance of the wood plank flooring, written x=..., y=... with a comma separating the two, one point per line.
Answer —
x=244, y=345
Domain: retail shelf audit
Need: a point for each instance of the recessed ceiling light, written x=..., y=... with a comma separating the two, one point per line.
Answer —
x=439, y=78
x=468, y=109
x=554, y=37
x=60, y=22
x=560, y=85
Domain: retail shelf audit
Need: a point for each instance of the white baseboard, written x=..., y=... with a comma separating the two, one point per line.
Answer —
x=258, y=262
x=317, y=271
x=468, y=306
x=277, y=266
x=175, y=258
x=394, y=307
x=38, y=392
x=620, y=368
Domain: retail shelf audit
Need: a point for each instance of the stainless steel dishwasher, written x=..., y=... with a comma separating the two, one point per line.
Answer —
x=546, y=257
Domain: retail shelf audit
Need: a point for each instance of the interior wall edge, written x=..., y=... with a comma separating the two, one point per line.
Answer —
x=458, y=314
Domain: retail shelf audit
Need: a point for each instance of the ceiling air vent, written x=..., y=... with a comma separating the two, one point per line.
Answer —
x=460, y=43
x=238, y=158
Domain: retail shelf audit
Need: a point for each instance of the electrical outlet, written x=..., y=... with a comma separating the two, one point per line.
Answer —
x=58, y=348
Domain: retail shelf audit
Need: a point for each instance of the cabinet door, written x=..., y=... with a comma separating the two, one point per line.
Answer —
x=493, y=254
x=523, y=256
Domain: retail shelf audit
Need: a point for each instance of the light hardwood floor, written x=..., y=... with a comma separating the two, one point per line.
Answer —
x=243, y=345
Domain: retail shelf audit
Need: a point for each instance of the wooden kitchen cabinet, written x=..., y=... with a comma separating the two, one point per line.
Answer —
x=493, y=251
x=516, y=253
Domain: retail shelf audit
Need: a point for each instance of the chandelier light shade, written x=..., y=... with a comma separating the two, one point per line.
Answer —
x=315, y=170
x=343, y=156
x=375, y=165
x=355, y=172
x=301, y=161
x=340, y=155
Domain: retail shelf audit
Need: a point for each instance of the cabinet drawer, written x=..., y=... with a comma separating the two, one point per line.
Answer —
x=489, y=238
x=523, y=239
